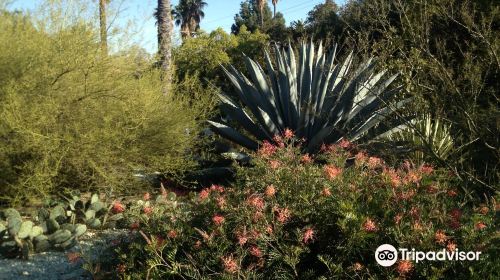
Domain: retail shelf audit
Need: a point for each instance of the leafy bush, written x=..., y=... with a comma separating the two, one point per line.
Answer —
x=73, y=118
x=447, y=54
x=204, y=54
x=293, y=216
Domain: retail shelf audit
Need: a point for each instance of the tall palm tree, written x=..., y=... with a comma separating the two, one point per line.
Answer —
x=275, y=2
x=261, y=4
x=164, y=23
x=188, y=14
x=102, y=26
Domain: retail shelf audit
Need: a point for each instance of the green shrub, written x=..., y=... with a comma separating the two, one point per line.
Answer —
x=72, y=118
x=447, y=54
x=291, y=216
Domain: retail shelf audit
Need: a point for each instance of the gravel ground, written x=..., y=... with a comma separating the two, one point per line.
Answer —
x=55, y=265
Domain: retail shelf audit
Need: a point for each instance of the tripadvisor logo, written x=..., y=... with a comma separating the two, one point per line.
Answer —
x=387, y=255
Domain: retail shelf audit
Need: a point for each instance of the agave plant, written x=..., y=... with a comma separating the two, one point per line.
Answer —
x=320, y=100
x=429, y=136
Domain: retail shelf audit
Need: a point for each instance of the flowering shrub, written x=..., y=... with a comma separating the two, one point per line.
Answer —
x=290, y=215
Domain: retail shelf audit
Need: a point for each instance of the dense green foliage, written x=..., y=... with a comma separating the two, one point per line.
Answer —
x=291, y=217
x=448, y=54
x=204, y=54
x=250, y=17
x=71, y=118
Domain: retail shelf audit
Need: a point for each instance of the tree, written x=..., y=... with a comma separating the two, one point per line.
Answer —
x=253, y=17
x=323, y=22
x=164, y=23
x=188, y=15
x=275, y=2
x=102, y=26
x=298, y=30
x=261, y=4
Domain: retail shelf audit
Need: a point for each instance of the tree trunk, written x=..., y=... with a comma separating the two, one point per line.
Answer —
x=274, y=12
x=262, y=19
x=164, y=42
x=103, y=27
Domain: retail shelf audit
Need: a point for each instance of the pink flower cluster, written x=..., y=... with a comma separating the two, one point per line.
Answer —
x=267, y=149
x=331, y=171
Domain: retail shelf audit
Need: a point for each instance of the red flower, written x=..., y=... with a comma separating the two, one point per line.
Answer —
x=451, y=246
x=308, y=235
x=344, y=143
x=288, y=134
x=274, y=164
x=229, y=264
x=118, y=207
x=369, y=225
x=426, y=169
x=256, y=201
x=160, y=241
x=283, y=215
x=255, y=251
x=357, y=266
x=255, y=234
x=413, y=177
x=332, y=172
x=134, y=226
x=404, y=267
x=432, y=189
x=398, y=218
x=480, y=226
x=146, y=196
x=242, y=238
x=374, y=162
x=360, y=158
x=172, y=234
x=269, y=230
x=217, y=188
x=270, y=191
x=456, y=214
x=484, y=210
x=204, y=194
x=452, y=193
x=218, y=219
x=393, y=177
x=279, y=141
x=306, y=159
x=121, y=268
x=326, y=192
x=417, y=226
x=267, y=149
x=221, y=202
x=147, y=210
x=415, y=213
x=440, y=237
x=73, y=257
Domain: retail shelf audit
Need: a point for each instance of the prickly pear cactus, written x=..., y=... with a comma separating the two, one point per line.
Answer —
x=56, y=228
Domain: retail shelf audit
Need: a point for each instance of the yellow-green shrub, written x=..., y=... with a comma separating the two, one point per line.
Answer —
x=71, y=117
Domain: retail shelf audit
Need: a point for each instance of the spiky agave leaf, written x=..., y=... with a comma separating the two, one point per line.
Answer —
x=426, y=133
x=322, y=101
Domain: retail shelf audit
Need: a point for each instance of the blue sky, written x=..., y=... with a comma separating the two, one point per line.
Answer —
x=136, y=15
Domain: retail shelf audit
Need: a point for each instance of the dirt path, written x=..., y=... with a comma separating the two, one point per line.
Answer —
x=56, y=265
